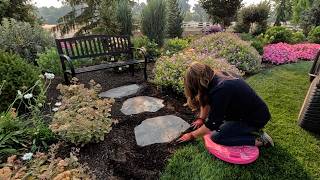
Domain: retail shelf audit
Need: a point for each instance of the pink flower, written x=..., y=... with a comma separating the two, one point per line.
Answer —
x=282, y=53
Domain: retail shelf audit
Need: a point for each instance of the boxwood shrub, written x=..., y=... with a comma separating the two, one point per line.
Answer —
x=169, y=71
x=15, y=74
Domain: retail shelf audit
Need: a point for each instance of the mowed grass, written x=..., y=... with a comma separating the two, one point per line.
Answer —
x=296, y=154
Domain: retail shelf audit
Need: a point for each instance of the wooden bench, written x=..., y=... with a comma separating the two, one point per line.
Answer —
x=315, y=69
x=116, y=51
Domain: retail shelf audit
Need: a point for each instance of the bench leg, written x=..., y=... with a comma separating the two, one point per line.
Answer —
x=145, y=70
x=132, y=69
x=66, y=79
x=145, y=73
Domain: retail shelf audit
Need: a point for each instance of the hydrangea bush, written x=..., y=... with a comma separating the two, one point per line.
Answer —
x=45, y=166
x=169, y=71
x=282, y=53
x=230, y=47
x=82, y=117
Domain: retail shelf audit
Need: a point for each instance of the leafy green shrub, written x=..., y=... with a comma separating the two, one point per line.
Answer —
x=258, y=45
x=298, y=37
x=256, y=42
x=45, y=166
x=154, y=20
x=169, y=71
x=242, y=27
x=278, y=34
x=230, y=47
x=42, y=136
x=246, y=36
x=260, y=28
x=13, y=134
x=314, y=35
x=15, y=74
x=18, y=135
x=49, y=61
x=83, y=117
x=151, y=47
x=173, y=46
x=23, y=39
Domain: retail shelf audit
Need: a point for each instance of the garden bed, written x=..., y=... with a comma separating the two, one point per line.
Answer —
x=118, y=156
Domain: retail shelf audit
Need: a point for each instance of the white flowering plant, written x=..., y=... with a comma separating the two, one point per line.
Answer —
x=20, y=134
x=83, y=117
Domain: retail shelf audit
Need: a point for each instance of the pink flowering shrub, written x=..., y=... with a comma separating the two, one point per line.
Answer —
x=282, y=53
x=306, y=51
x=279, y=53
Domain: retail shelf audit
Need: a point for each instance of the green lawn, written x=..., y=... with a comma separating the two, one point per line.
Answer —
x=297, y=152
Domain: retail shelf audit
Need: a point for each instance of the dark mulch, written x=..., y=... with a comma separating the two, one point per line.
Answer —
x=118, y=156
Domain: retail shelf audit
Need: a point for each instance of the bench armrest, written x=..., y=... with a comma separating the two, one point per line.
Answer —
x=142, y=51
x=66, y=58
x=314, y=66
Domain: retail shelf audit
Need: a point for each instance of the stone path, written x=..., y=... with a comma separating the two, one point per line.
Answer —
x=121, y=92
x=141, y=104
x=161, y=129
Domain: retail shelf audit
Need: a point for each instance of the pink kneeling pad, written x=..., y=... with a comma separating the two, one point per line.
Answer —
x=232, y=154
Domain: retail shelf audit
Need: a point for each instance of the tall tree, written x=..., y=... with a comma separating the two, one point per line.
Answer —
x=175, y=19
x=253, y=14
x=50, y=15
x=221, y=11
x=154, y=20
x=299, y=6
x=311, y=17
x=124, y=17
x=283, y=11
x=21, y=10
x=136, y=12
x=199, y=14
x=96, y=16
x=185, y=6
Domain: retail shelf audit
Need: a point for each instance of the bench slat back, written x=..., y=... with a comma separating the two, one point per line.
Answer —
x=94, y=46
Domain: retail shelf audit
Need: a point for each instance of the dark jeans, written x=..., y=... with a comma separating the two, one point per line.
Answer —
x=235, y=133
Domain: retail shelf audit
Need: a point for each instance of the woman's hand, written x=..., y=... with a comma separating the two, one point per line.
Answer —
x=186, y=137
x=197, y=123
x=203, y=130
x=203, y=114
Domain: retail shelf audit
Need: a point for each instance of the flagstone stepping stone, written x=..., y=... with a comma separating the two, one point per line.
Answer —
x=121, y=92
x=162, y=129
x=141, y=104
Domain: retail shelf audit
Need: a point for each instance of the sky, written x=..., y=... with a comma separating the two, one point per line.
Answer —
x=56, y=3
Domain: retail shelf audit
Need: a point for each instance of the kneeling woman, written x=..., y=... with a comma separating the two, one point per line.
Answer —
x=229, y=108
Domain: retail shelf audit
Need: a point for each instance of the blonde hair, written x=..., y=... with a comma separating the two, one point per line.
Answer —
x=196, y=81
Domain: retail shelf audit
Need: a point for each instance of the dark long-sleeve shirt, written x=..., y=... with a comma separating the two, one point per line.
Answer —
x=235, y=100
